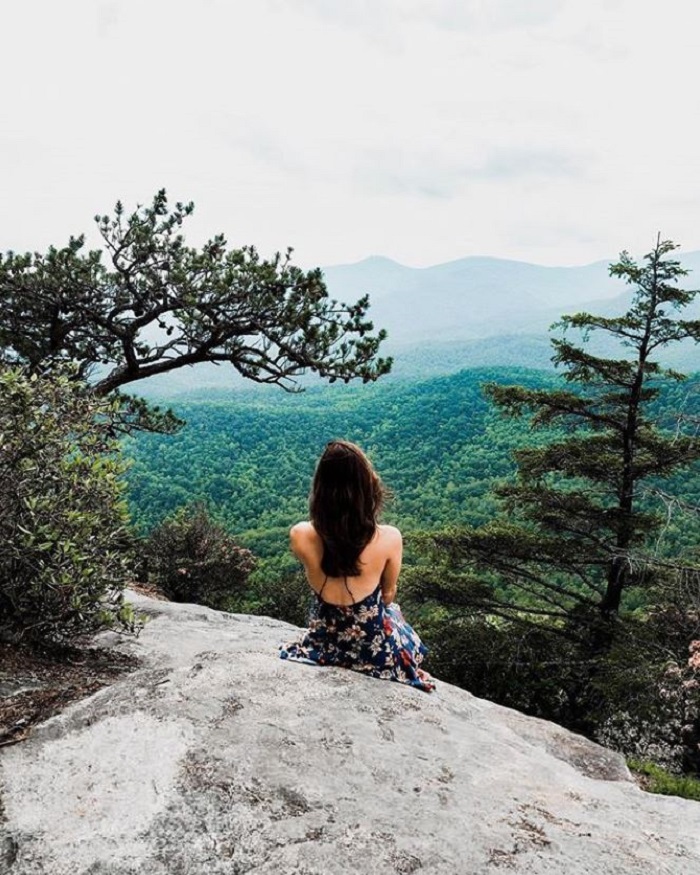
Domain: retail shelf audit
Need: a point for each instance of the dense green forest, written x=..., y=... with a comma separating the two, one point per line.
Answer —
x=438, y=444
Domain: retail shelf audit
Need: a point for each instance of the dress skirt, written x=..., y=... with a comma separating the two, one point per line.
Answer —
x=368, y=637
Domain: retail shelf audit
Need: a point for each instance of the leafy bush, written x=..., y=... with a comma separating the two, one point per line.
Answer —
x=529, y=669
x=193, y=559
x=63, y=521
x=283, y=594
x=650, y=684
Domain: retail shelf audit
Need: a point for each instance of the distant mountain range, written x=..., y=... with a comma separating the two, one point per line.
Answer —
x=465, y=299
x=476, y=297
x=471, y=312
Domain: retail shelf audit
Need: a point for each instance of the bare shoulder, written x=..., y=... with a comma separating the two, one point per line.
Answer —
x=302, y=532
x=391, y=534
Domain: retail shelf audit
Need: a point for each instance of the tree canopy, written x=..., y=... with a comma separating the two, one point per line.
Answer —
x=147, y=303
x=574, y=539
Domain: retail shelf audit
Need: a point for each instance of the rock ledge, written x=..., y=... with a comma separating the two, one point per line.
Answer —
x=217, y=757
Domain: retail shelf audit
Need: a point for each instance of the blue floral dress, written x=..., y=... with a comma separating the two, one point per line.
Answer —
x=367, y=636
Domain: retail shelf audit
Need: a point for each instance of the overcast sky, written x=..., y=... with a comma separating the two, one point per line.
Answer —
x=552, y=131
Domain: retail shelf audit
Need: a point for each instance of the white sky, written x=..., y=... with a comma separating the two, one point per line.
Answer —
x=553, y=131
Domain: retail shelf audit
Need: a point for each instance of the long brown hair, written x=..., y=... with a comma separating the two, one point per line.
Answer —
x=345, y=501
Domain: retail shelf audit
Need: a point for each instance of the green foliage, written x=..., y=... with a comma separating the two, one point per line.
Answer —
x=159, y=304
x=283, y=594
x=63, y=521
x=438, y=446
x=192, y=559
x=664, y=782
x=639, y=695
x=517, y=666
x=648, y=690
x=576, y=522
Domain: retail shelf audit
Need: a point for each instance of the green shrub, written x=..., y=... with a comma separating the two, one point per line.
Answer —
x=193, y=559
x=63, y=520
x=661, y=781
x=278, y=591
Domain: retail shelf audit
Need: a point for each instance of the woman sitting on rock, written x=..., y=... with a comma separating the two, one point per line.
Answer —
x=352, y=564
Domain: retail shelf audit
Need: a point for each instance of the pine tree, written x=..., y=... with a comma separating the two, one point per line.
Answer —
x=155, y=304
x=572, y=543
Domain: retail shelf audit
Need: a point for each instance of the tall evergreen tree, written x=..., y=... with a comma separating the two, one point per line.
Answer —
x=572, y=541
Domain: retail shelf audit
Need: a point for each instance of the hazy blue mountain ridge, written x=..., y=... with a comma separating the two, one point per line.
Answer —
x=465, y=299
x=472, y=312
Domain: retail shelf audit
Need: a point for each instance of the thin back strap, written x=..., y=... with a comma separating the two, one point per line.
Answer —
x=345, y=579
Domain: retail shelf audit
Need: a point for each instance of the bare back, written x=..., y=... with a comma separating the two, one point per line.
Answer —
x=379, y=562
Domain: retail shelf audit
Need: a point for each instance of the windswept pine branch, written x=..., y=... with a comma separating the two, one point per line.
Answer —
x=147, y=304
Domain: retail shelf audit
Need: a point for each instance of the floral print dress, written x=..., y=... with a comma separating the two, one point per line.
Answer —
x=367, y=636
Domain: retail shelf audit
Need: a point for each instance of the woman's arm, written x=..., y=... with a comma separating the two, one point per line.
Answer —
x=392, y=567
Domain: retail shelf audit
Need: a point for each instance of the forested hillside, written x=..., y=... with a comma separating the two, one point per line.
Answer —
x=438, y=445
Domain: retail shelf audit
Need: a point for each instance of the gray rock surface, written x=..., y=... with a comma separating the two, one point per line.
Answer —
x=218, y=757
